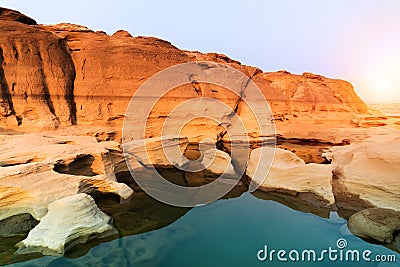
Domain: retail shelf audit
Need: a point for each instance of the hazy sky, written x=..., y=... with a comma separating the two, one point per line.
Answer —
x=355, y=40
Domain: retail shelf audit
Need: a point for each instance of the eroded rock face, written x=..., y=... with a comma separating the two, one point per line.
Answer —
x=109, y=69
x=66, y=74
x=69, y=221
x=30, y=189
x=315, y=94
x=290, y=175
x=77, y=155
x=376, y=224
x=36, y=78
x=52, y=167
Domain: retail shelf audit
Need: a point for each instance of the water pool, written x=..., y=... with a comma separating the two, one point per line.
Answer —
x=230, y=232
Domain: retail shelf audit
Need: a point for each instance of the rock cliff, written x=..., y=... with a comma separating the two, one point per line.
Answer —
x=36, y=77
x=58, y=75
x=55, y=76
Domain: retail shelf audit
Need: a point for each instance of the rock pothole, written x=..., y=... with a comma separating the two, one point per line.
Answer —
x=81, y=165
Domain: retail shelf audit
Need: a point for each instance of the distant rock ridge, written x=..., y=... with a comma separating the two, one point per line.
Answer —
x=66, y=74
x=12, y=15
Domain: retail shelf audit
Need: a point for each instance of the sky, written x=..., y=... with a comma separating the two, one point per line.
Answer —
x=354, y=40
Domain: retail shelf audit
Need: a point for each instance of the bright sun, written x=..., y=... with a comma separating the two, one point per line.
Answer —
x=384, y=85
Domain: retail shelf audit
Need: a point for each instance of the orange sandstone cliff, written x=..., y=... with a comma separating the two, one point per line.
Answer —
x=66, y=74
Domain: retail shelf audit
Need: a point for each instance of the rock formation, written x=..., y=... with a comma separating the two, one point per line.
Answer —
x=12, y=15
x=362, y=175
x=314, y=94
x=78, y=81
x=49, y=168
x=52, y=75
x=376, y=224
x=218, y=162
x=57, y=231
x=157, y=152
x=36, y=77
x=291, y=176
x=366, y=175
x=52, y=167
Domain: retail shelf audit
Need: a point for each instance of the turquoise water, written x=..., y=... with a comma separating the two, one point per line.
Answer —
x=226, y=233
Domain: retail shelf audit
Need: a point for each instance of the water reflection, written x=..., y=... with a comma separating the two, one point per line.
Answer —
x=224, y=233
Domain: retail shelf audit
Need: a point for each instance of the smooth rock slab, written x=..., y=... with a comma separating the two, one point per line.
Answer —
x=56, y=149
x=218, y=162
x=69, y=221
x=367, y=174
x=376, y=223
x=159, y=152
x=37, y=169
x=290, y=175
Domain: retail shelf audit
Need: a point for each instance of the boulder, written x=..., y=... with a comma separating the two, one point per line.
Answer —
x=218, y=162
x=69, y=221
x=367, y=174
x=290, y=175
x=375, y=224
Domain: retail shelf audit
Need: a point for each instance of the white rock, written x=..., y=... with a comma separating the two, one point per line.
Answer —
x=71, y=220
x=31, y=187
x=218, y=162
x=31, y=176
x=290, y=175
x=261, y=160
x=371, y=171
